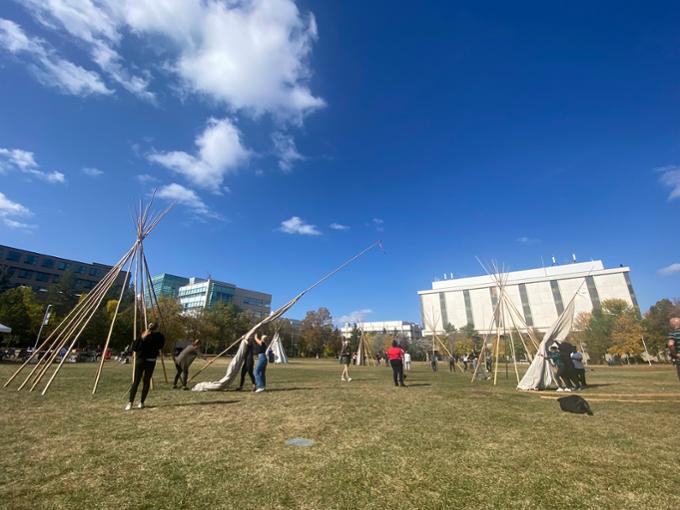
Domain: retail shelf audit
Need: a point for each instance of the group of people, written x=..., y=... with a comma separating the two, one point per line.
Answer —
x=568, y=362
x=396, y=356
x=149, y=345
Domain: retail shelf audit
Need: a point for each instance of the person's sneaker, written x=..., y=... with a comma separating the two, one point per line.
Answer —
x=402, y=385
x=259, y=390
x=240, y=388
x=567, y=390
x=186, y=388
x=140, y=405
x=560, y=389
x=174, y=387
x=342, y=378
x=128, y=406
x=349, y=379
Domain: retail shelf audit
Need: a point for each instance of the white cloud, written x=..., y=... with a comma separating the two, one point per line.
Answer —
x=146, y=178
x=354, y=317
x=527, y=240
x=338, y=226
x=97, y=26
x=25, y=162
x=10, y=210
x=296, y=225
x=377, y=224
x=669, y=270
x=251, y=55
x=91, y=171
x=186, y=197
x=220, y=152
x=286, y=151
x=50, y=69
x=670, y=176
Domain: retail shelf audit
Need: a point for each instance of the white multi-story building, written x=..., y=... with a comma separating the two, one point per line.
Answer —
x=539, y=295
x=404, y=329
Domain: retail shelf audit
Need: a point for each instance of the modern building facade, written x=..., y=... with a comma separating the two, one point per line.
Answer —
x=39, y=271
x=195, y=294
x=539, y=295
x=404, y=329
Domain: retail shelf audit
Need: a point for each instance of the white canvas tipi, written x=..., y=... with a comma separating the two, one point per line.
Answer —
x=276, y=348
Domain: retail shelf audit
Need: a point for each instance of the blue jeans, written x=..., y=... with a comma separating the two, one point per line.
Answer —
x=261, y=371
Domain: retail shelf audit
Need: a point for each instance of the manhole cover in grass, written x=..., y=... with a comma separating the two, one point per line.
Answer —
x=300, y=441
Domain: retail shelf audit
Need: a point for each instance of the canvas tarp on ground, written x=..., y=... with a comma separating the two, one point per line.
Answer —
x=5, y=329
x=540, y=376
x=276, y=348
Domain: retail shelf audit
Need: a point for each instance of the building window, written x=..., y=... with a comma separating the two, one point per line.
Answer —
x=528, y=318
x=630, y=290
x=557, y=297
x=80, y=269
x=14, y=256
x=93, y=271
x=468, y=307
x=63, y=266
x=592, y=291
x=42, y=277
x=48, y=263
x=25, y=274
x=31, y=260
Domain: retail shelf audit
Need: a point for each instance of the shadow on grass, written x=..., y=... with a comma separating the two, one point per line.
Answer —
x=415, y=385
x=202, y=403
x=290, y=389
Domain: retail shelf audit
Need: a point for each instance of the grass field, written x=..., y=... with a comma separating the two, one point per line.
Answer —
x=439, y=443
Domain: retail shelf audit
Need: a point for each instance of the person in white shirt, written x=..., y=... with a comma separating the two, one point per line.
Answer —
x=407, y=360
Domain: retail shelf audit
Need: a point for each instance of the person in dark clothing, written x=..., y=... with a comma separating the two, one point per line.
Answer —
x=183, y=361
x=674, y=343
x=260, y=350
x=452, y=363
x=557, y=361
x=146, y=348
x=396, y=356
x=345, y=360
x=248, y=366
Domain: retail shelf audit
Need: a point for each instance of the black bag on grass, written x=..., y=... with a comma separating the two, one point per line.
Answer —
x=575, y=404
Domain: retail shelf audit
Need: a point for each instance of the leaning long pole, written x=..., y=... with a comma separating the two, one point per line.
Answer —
x=298, y=296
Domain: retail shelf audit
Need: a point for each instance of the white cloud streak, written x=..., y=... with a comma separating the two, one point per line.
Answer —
x=527, y=240
x=18, y=159
x=286, y=151
x=354, y=317
x=10, y=211
x=338, y=226
x=48, y=67
x=296, y=225
x=219, y=152
x=670, y=270
x=91, y=171
x=187, y=197
x=670, y=177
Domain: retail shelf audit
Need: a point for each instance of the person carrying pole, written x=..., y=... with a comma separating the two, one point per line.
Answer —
x=147, y=348
x=183, y=361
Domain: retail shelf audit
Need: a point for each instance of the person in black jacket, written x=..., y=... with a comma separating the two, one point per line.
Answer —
x=248, y=365
x=147, y=348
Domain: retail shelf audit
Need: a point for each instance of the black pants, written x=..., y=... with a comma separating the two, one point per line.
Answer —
x=397, y=371
x=581, y=374
x=452, y=366
x=143, y=370
x=182, y=374
x=247, y=368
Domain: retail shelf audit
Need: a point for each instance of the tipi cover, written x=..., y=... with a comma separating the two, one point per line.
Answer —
x=539, y=376
x=276, y=348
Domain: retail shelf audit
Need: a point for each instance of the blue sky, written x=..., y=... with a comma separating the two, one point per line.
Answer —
x=293, y=135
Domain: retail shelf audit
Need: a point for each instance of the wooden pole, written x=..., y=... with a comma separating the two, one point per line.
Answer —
x=154, y=301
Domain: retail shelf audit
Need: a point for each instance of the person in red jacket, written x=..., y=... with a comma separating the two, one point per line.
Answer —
x=396, y=356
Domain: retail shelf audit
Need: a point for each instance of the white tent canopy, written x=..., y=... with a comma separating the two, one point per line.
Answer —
x=276, y=348
x=540, y=376
x=5, y=329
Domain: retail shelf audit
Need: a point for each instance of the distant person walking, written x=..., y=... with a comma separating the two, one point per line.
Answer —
x=407, y=360
x=248, y=366
x=183, y=361
x=433, y=362
x=465, y=362
x=396, y=356
x=260, y=350
x=147, y=348
x=345, y=360
x=674, y=343
x=452, y=363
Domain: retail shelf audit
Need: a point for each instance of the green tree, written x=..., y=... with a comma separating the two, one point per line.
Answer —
x=626, y=336
x=62, y=294
x=20, y=311
x=655, y=324
x=316, y=329
x=598, y=332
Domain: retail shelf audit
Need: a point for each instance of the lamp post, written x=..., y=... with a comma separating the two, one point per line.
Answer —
x=46, y=319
